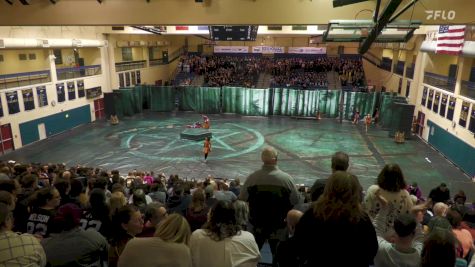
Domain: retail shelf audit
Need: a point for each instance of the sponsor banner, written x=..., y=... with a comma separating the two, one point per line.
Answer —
x=231, y=49
x=268, y=49
x=307, y=50
x=181, y=28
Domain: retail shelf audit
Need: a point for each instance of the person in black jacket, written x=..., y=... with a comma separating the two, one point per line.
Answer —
x=336, y=231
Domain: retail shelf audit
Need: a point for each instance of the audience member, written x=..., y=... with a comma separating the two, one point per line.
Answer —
x=439, y=194
x=44, y=204
x=221, y=242
x=154, y=214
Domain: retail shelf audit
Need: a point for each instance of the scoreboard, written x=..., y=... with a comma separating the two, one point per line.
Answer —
x=233, y=33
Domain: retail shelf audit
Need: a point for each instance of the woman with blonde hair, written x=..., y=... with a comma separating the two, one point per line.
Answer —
x=336, y=231
x=197, y=212
x=116, y=201
x=169, y=246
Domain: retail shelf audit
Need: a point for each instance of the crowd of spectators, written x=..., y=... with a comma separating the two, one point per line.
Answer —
x=286, y=72
x=53, y=215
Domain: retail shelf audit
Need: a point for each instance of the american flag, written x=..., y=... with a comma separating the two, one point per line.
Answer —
x=450, y=39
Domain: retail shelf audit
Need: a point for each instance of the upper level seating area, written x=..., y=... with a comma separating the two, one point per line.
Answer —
x=350, y=71
x=57, y=204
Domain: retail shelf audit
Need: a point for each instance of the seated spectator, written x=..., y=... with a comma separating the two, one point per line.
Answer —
x=223, y=193
x=127, y=223
x=179, y=201
x=335, y=216
x=158, y=193
x=415, y=190
x=221, y=242
x=116, y=202
x=197, y=212
x=18, y=249
x=44, y=204
x=242, y=213
x=440, y=249
x=74, y=246
x=463, y=236
x=235, y=186
x=405, y=250
x=392, y=186
x=439, y=194
x=286, y=254
x=96, y=215
x=167, y=248
x=154, y=214
x=8, y=199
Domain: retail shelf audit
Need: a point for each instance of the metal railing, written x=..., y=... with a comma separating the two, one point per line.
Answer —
x=467, y=89
x=130, y=65
x=156, y=62
x=77, y=72
x=24, y=79
x=439, y=81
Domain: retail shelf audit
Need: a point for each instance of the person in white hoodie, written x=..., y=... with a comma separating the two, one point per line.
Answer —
x=406, y=246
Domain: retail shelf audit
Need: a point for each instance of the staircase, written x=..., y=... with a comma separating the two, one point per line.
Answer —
x=333, y=80
x=264, y=80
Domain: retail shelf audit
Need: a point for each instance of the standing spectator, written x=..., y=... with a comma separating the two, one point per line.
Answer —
x=336, y=216
x=340, y=162
x=96, y=215
x=18, y=249
x=439, y=194
x=391, y=186
x=221, y=242
x=286, y=255
x=271, y=193
x=154, y=214
x=167, y=248
x=197, y=212
x=74, y=246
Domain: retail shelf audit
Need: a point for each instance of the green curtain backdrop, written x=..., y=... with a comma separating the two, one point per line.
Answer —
x=127, y=100
x=246, y=101
x=200, y=99
x=162, y=98
x=365, y=103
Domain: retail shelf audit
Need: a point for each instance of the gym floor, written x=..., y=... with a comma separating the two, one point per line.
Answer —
x=151, y=142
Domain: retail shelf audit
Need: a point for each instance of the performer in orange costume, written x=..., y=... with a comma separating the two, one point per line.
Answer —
x=206, y=123
x=367, y=121
x=207, y=147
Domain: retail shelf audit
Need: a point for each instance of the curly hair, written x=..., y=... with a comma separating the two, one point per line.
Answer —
x=391, y=178
x=222, y=221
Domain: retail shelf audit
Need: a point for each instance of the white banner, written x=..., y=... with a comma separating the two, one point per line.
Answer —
x=307, y=50
x=268, y=49
x=231, y=49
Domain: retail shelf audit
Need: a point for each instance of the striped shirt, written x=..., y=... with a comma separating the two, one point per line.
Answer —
x=20, y=250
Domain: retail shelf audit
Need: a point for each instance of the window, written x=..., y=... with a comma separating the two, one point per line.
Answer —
x=299, y=27
x=127, y=54
x=32, y=56
x=58, y=56
x=1, y=58
x=22, y=56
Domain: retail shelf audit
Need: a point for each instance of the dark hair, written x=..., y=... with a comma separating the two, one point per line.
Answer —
x=454, y=217
x=5, y=214
x=63, y=186
x=123, y=215
x=391, y=178
x=8, y=185
x=97, y=200
x=340, y=161
x=439, y=249
x=405, y=225
x=100, y=182
x=42, y=196
x=76, y=188
x=6, y=198
x=68, y=217
x=29, y=180
x=317, y=189
x=341, y=199
x=222, y=221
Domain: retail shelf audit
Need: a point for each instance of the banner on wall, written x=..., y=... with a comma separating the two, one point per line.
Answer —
x=42, y=96
x=443, y=105
x=450, y=111
x=471, y=126
x=231, y=49
x=93, y=92
x=307, y=50
x=80, y=85
x=431, y=98
x=28, y=100
x=268, y=49
x=60, y=92
x=424, y=96
x=71, y=91
x=464, y=114
x=435, y=108
x=12, y=102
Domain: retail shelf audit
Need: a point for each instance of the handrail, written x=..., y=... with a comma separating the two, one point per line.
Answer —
x=439, y=81
x=24, y=79
x=130, y=65
x=77, y=72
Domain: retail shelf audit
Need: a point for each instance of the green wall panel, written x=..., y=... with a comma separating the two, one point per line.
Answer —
x=55, y=123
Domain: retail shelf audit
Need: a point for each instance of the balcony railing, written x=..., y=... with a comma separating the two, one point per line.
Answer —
x=24, y=79
x=77, y=72
x=130, y=65
x=156, y=62
x=468, y=89
x=439, y=81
